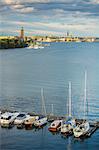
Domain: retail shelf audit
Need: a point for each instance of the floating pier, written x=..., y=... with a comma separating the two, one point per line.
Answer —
x=94, y=125
x=91, y=131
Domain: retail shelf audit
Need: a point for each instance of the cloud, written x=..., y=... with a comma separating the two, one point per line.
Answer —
x=26, y=1
x=26, y=10
x=18, y=6
x=94, y=1
x=22, y=9
x=51, y=15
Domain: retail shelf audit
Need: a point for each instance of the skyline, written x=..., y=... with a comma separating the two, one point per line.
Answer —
x=50, y=17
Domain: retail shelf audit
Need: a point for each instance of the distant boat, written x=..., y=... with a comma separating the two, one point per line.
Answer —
x=7, y=119
x=41, y=47
x=36, y=47
x=30, y=47
x=82, y=129
x=68, y=124
x=55, y=126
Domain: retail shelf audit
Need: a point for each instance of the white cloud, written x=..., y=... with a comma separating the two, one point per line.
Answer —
x=26, y=1
x=18, y=6
x=94, y=1
x=26, y=10
x=22, y=9
x=57, y=28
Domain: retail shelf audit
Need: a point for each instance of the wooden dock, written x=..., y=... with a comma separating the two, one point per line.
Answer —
x=94, y=124
x=91, y=131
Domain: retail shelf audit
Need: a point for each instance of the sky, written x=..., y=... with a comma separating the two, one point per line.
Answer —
x=50, y=17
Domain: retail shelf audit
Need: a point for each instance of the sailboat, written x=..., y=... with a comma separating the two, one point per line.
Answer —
x=42, y=120
x=69, y=123
x=82, y=129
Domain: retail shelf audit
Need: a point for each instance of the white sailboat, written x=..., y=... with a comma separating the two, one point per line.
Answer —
x=42, y=120
x=67, y=125
x=82, y=129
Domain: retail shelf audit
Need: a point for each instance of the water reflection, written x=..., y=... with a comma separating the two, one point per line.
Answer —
x=69, y=143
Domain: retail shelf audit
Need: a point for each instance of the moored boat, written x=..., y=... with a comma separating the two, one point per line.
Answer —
x=81, y=130
x=7, y=119
x=55, y=126
x=69, y=123
x=28, y=122
x=41, y=121
x=67, y=126
x=20, y=118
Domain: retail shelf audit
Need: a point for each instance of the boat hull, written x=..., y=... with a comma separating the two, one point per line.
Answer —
x=53, y=129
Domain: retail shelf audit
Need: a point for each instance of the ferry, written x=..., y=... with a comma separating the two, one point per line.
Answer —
x=55, y=126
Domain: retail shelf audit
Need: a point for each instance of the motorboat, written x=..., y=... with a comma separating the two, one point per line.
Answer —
x=67, y=126
x=7, y=119
x=29, y=121
x=55, y=126
x=20, y=118
x=41, y=121
x=82, y=129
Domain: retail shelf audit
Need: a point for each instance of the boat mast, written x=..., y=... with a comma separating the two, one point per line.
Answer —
x=52, y=110
x=43, y=102
x=69, y=99
x=85, y=94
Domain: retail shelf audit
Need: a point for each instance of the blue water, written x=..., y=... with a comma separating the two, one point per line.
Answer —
x=23, y=72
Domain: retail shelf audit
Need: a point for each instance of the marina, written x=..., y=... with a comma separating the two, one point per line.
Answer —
x=38, y=121
x=25, y=72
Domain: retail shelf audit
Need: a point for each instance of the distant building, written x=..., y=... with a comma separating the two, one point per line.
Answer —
x=22, y=34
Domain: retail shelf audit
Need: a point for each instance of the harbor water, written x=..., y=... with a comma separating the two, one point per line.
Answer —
x=23, y=72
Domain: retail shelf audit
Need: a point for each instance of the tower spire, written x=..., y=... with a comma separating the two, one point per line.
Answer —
x=22, y=33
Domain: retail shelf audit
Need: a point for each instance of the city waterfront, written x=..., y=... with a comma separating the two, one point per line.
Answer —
x=25, y=71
